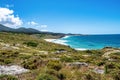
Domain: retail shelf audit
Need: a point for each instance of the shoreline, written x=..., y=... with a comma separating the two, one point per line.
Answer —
x=63, y=42
x=57, y=41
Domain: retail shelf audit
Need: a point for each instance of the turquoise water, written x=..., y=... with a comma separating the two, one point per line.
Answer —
x=92, y=41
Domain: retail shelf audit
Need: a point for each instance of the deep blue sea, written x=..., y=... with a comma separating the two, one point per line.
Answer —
x=92, y=41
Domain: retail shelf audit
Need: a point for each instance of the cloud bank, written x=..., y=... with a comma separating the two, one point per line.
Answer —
x=43, y=26
x=32, y=23
x=8, y=18
x=37, y=26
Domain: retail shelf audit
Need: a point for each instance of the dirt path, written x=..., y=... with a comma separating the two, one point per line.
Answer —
x=107, y=53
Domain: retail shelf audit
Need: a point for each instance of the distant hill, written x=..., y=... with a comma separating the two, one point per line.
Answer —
x=30, y=31
x=26, y=30
x=19, y=30
x=5, y=29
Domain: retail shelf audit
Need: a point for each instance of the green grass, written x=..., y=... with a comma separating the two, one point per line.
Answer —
x=32, y=55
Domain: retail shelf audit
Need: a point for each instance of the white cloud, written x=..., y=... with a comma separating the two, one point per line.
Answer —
x=8, y=18
x=37, y=26
x=32, y=23
x=43, y=26
x=44, y=30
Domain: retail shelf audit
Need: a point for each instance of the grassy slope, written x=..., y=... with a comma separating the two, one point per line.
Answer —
x=39, y=62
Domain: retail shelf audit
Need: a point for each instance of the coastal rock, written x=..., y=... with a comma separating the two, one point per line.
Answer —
x=78, y=64
x=108, y=47
x=99, y=71
x=60, y=51
x=10, y=48
x=12, y=70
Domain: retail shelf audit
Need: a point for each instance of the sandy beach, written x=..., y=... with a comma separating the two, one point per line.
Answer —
x=63, y=42
x=57, y=41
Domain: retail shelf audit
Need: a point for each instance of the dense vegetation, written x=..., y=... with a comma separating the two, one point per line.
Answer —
x=49, y=61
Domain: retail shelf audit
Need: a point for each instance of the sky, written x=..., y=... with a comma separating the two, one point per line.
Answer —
x=64, y=16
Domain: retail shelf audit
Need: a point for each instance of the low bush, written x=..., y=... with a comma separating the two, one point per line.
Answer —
x=46, y=77
x=31, y=43
x=100, y=63
x=61, y=76
x=66, y=59
x=7, y=61
x=56, y=65
x=29, y=65
x=116, y=76
x=8, y=77
x=111, y=65
x=88, y=77
x=52, y=72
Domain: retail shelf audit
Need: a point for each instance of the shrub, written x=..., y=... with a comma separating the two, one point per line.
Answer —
x=88, y=77
x=88, y=51
x=46, y=77
x=2, y=59
x=61, y=76
x=29, y=65
x=15, y=54
x=66, y=59
x=111, y=65
x=9, y=53
x=117, y=76
x=7, y=61
x=56, y=65
x=8, y=77
x=31, y=43
x=100, y=63
x=106, y=69
x=52, y=72
x=24, y=56
x=118, y=66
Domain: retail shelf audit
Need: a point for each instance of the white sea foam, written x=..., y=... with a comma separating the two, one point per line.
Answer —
x=80, y=49
x=66, y=37
x=49, y=40
x=57, y=41
x=63, y=42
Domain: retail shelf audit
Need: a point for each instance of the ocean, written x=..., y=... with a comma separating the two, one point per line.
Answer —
x=90, y=42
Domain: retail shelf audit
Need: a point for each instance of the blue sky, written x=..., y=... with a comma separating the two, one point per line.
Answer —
x=68, y=16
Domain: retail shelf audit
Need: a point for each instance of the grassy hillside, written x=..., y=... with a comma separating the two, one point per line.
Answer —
x=49, y=61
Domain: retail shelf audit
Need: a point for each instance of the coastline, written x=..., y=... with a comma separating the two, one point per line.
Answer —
x=63, y=42
x=57, y=41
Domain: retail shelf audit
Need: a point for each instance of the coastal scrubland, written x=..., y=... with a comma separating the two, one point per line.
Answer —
x=49, y=61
